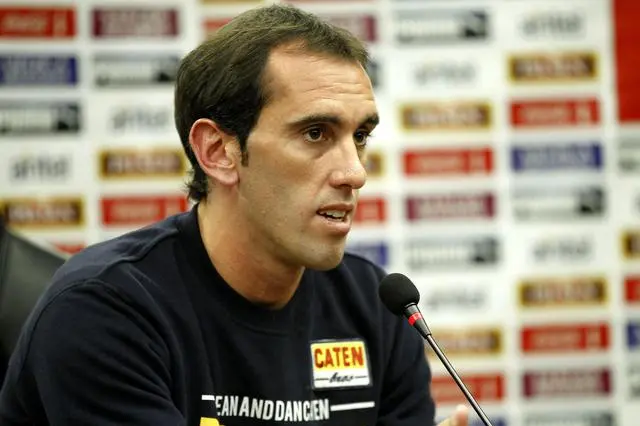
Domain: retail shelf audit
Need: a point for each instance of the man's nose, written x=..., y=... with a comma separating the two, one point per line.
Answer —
x=349, y=169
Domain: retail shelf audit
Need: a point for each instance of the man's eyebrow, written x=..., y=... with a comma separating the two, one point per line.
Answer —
x=370, y=121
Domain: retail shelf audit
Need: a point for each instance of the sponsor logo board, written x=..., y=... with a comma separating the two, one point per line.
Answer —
x=567, y=383
x=38, y=70
x=558, y=203
x=141, y=163
x=44, y=22
x=563, y=338
x=446, y=116
x=562, y=249
x=455, y=298
x=450, y=73
x=134, y=22
x=440, y=73
x=552, y=24
x=139, y=210
x=550, y=157
x=468, y=342
x=424, y=254
x=40, y=168
x=485, y=388
x=632, y=289
x=437, y=26
x=557, y=67
x=141, y=119
x=629, y=155
x=631, y=244
x=448, y=162
x=132, y=70
x=34, y=118
x=554, y=292
x=581, y=418
x=633, y=334
x=466, y=205
x=554, y=113
x=43, y=213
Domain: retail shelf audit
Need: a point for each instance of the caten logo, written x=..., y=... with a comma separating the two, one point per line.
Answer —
x=340, y=364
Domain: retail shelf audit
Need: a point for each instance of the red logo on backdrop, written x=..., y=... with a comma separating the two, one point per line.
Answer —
x=555, y=113
x=451, y=206
x=563, y=383
x=484, y=387
x=632, y=289
x=627, y=38
x=37, y=22
x=135, y=22
x=370, y=211
x=563, y=338
x=140, y=210
x=214, y=24
x=439, y=162
x=69, y=248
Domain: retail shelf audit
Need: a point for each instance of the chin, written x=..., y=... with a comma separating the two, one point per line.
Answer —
x=325, y=261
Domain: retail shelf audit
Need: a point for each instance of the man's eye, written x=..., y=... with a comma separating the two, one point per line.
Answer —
x=361, y=138
x=315, y=134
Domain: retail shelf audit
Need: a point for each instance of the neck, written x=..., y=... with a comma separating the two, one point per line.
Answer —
x=250, y=269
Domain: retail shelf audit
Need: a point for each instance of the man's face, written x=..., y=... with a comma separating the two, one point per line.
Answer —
x=299, y=190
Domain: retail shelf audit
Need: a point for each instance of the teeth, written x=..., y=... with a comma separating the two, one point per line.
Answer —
x=334, y=214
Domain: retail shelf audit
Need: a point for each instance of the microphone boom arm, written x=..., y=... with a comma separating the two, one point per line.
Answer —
x=414, y=316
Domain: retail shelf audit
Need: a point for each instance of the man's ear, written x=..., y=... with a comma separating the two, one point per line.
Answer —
x=209, y=144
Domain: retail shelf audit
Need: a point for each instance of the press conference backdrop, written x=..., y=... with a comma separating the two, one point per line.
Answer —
x=503, y=178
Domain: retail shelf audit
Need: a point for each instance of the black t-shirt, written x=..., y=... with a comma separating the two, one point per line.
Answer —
x=141, y=330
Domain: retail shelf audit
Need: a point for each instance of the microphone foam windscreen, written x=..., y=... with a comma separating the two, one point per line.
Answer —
x=397, y=292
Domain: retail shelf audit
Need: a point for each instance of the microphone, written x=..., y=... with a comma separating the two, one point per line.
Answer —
x=401, y=297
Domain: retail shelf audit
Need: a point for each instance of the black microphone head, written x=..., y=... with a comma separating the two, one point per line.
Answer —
x=397, y=292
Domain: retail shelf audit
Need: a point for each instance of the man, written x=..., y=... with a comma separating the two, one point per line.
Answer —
x=245, y=310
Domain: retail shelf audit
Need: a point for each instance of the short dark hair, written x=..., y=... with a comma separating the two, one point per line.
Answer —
x=223, y=78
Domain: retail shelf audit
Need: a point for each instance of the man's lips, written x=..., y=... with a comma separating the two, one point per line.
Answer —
x=336, y=211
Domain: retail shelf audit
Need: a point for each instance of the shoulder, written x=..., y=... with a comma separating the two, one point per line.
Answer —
x=112, y=286
x=118, y=261
x=120, y=275
x=131, y=248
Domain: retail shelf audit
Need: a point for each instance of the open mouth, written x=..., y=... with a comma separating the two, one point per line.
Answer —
x=334, y=215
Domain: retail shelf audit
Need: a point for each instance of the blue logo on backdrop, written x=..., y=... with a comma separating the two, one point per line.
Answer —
x=38, y=70
x=556, y=157
x=378, y=252
x=633, y=334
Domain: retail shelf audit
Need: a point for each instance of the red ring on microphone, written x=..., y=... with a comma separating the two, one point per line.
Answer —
x=414, y=317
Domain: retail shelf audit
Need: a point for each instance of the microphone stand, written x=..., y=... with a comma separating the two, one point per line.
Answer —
x=429, y=338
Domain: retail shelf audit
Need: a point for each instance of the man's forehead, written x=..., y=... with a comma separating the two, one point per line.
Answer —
x=290, y=69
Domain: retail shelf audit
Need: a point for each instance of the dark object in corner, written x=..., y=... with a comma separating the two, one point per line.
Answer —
x=25, y=271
